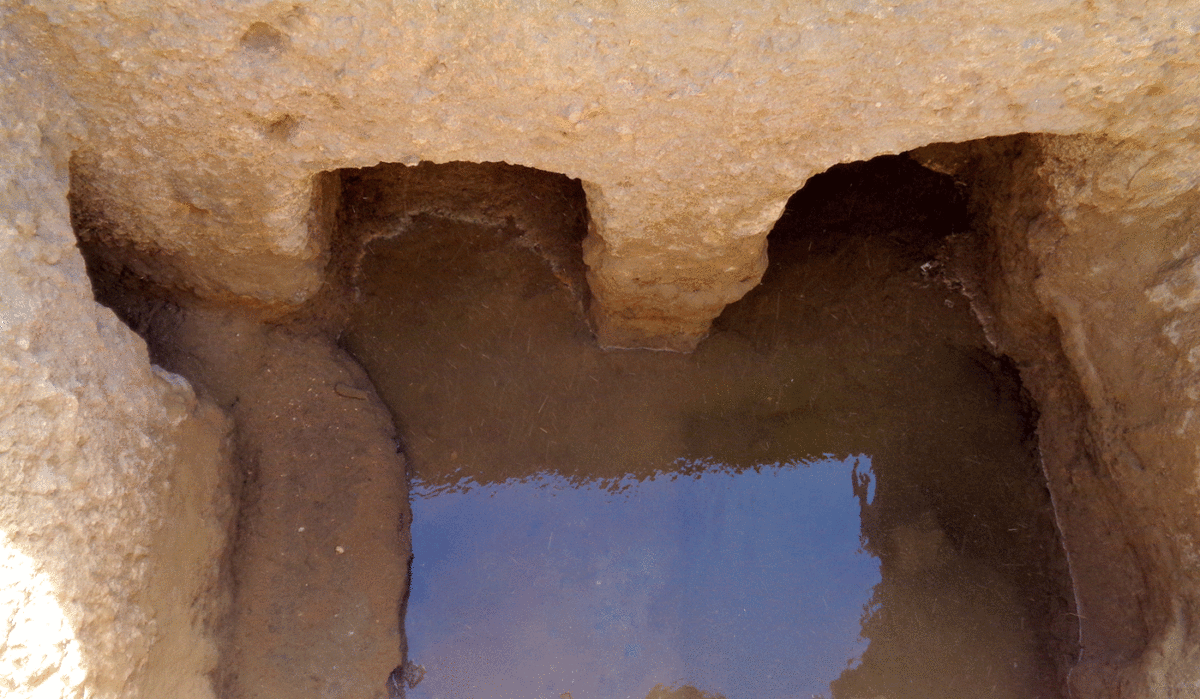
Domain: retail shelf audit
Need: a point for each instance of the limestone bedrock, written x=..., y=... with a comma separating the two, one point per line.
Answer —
x=113, y=512
x=1084, y=272
x=690, y=124
x=193, y=135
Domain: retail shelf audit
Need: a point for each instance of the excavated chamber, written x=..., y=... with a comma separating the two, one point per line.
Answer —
x=1047, y=248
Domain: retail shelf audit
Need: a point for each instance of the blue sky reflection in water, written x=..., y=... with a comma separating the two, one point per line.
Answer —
x=749, y=583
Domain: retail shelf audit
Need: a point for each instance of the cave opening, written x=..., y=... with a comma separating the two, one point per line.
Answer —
x=458, y=293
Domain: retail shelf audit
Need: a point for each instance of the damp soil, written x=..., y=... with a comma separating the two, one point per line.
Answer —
x=848, y=411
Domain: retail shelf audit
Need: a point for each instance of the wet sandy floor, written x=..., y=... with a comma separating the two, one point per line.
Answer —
x=836, y=495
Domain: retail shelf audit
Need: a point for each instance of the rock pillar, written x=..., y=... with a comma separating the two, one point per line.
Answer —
x=661, y=269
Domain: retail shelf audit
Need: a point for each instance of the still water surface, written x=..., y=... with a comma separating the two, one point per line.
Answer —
x=751, y=584
x=836, y=495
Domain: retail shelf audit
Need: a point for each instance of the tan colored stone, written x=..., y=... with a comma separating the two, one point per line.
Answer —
x=689, y=123
x=1081, y=232
x=200, y=132
x=113, y=513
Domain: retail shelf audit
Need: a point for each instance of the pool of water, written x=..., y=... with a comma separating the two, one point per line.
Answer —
x=750, y=583
x=836, y=495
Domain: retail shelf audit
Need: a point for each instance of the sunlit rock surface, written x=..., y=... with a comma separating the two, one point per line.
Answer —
x=195, y=133
x=690, y=124
x=113, y=510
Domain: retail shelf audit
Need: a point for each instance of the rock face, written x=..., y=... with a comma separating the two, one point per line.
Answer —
x=689, y=124
x=321, y=557
x=113, y=513
x=194, y=138
x=1086, y=277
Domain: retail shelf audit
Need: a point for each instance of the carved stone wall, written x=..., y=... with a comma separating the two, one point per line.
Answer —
x=1085, y=274
x=689, y=124
x=195, y=135
x=114, y=511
